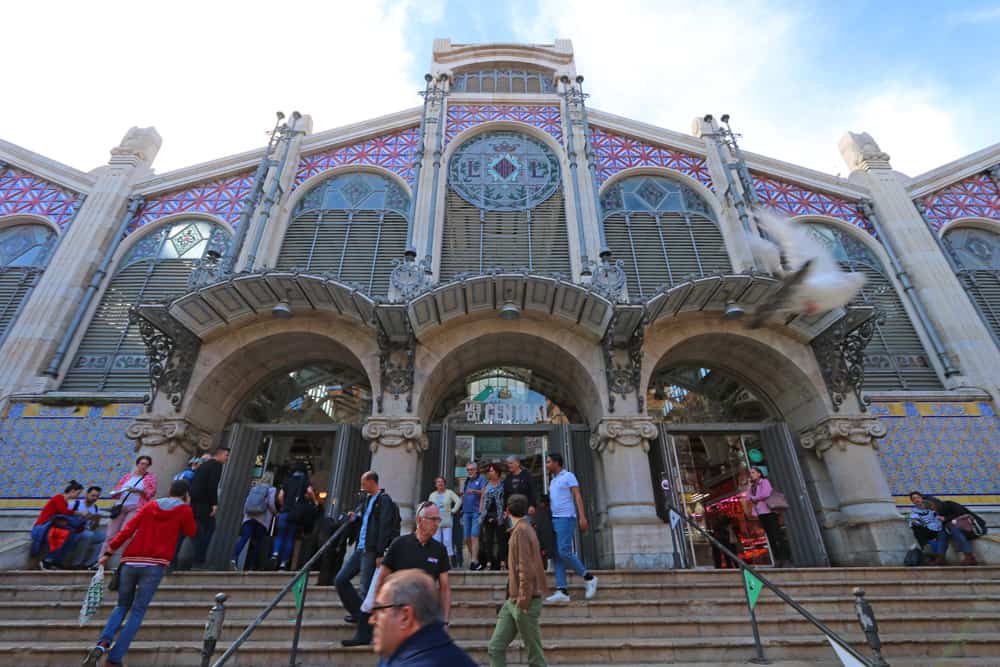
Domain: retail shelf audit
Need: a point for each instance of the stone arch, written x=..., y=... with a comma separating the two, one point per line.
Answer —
x=985, y=224
x=671, y=174
x=440, y=196
x=18, y=219
x=230, y=366
x=139, y=234
x=540, y=344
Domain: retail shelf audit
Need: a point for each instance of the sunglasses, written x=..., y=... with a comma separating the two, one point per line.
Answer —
x=379, y=607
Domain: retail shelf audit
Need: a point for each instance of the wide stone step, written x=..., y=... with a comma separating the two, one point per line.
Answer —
x=920, y=649
x=280, y=627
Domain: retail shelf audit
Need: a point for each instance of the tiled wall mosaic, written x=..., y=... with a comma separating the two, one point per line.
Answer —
x=977, y=196
x=793, y=199
x=22, y=193
x=394, y=151
x=950, y=449
x=545, y=117
x=222, y=197
x=53, y=444
x=616, y=152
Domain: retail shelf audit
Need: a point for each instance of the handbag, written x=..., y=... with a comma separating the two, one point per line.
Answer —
x=970, y=523
x=119, y=507
x=777, y=501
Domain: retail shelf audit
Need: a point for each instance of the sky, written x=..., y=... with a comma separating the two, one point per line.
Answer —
x=921, y=77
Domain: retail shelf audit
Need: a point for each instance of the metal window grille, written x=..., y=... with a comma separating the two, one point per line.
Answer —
x=24, y=252
x=112, y=355
x=501, y=80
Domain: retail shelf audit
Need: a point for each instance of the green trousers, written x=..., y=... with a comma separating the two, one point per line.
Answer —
x=511, y=621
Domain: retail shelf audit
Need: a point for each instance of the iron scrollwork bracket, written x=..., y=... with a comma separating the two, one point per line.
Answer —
x=172, y=351
x=396, y=376
x=840, y=351
x=624, y=378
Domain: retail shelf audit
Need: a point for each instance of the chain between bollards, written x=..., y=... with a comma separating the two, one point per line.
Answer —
x=213, y=629
x=866, y=617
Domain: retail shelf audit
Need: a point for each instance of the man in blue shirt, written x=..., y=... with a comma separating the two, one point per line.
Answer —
x=379, y=527
x=474, y=485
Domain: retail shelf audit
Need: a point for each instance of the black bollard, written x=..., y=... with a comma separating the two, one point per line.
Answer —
x=866, y=617
x=213, y=629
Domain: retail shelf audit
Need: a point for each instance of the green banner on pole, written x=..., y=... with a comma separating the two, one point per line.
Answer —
x=754, y=587
x=299, y=589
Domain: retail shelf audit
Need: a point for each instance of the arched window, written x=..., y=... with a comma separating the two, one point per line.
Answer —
x=505, y=208
x=24, y=252
x=895, y=358
x=499, y=79
x=351, y=227
x=977, y=252
x=663, y=232
x=112, y=356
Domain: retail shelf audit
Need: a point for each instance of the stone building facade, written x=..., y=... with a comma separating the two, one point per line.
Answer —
x=503, y=269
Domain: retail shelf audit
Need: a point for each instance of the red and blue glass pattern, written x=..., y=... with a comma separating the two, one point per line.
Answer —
x=545, y=117
x=395, y=151
x=793, y=199
x=615, y=152
x=975, y=197
x=222, y=197
x=22, y=193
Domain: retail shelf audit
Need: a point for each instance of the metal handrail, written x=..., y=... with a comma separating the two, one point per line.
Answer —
x=774, y=588
x=303, y=572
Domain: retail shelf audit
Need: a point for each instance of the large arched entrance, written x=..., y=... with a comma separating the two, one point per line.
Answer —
x=716, y=421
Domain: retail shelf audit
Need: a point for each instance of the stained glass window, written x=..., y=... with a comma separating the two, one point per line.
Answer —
x=503, y=80
x=25, y=245
x=504, y=171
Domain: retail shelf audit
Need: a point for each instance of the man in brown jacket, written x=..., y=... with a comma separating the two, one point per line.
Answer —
x=525, y=589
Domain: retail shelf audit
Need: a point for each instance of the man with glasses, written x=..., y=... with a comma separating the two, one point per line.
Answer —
x=409, y=626
x=417, y=550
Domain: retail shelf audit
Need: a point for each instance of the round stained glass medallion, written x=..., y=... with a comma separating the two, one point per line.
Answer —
x=504, y=171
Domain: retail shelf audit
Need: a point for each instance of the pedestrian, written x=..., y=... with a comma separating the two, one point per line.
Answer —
x=519, y=481
x=89, y=537
x=957, y=526
x=258, y=512
x=379, y=518
x=205, y=501
x=188, y=473
x=409, y=627
x=567, y=513
x=493, y=521
x=472, y=494
x=55, y=528
x=927, y=527
x=448, y=505
x=297, y=499
x=417, y=550
x=131, y=494
x=758, y=494
x=525, y=589
x=153, y=532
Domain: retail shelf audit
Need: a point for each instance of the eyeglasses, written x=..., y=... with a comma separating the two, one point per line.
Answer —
x=431, y=518
x=379, y=607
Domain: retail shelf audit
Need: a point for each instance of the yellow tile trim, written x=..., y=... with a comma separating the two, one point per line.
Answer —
x=964, y=500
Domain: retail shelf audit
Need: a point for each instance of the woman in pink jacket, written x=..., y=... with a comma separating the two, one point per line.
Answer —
x=132, y=491
x=758, y=494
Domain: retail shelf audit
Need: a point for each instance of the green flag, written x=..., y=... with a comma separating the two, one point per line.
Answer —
x=754, y=587
x=299, y=589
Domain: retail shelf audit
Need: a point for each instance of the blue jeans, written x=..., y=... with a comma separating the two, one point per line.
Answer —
x=359, y=561
x=952, y=532
x=252, y=532
x=136, y=587
x=565, y=530
x=88, y=548
x=470, y=526
x=284, y=538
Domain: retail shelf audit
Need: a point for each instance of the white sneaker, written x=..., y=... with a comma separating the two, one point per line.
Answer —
x=558, y=596
x=590, y=588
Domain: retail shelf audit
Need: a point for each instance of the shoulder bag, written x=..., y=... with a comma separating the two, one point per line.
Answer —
x=119, y=507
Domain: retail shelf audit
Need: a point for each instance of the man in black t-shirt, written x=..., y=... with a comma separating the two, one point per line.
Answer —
x=205, y=501
x=519, y=482
x=415, y=551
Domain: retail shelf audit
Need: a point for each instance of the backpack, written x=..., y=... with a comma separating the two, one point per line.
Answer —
x=914, y=557
x=299, y=509
x=256, y=502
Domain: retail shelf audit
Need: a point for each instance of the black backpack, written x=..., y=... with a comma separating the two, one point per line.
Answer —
x=914, y=557
x=299, y=508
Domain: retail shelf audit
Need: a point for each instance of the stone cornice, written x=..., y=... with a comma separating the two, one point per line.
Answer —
x=652, y=133
x=843, y=431
x=389, y=432
x=346, y=134
x=446, y=53
x=47, y=168
x=152, y=431
x=625, y=432
x=952, y=172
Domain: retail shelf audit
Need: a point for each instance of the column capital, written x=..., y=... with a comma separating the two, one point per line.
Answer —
x=399, y=432
x=153, y=431
x=623, y=432
x=862, y=153
x=841, y=432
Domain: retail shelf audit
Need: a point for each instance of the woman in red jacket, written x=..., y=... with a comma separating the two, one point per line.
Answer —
x=132, y=492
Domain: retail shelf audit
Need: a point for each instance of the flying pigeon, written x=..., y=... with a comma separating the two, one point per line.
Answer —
x=811, y=279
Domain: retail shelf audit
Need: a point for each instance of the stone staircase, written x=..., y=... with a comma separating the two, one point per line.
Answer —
x=927, y=617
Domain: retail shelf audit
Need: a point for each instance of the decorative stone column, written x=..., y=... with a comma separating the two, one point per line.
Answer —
x=397, y=443
x=868, y=529
x=638, y=537
x=170, y=442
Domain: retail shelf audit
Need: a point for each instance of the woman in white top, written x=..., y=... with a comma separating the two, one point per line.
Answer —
x=448, y=504
x=132, y=491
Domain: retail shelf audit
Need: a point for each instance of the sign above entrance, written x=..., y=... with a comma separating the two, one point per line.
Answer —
x=477, y=412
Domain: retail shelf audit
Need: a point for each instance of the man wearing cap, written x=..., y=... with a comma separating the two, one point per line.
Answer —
x=188, y=473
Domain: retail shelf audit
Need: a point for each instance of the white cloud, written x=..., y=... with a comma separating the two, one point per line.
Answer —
x=208, y=75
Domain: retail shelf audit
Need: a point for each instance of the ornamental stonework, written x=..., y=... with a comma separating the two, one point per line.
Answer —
x=614, y=433
x=151, y=431
x=842, y=432
x=406, y=433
